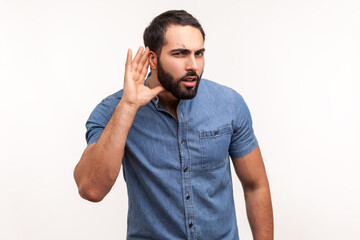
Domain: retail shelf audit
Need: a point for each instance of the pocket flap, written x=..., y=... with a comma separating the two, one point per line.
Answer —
x=217, y=132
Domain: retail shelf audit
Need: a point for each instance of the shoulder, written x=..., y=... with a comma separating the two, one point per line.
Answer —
x=104, y=110
x=206, y=85
x=100, y=116
x=110, y=102
x=218, y=92
x=222, y=97
x=113, y=99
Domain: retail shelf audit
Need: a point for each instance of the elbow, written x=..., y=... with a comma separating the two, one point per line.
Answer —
x=91, y=194
x=88, y=191
x=256, y=186
x=90, y=188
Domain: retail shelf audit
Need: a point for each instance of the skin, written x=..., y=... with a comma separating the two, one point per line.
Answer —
x=251, y=172
x=183, y=51
x=100, y=164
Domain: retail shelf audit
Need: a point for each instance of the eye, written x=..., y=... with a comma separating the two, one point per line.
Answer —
x=177, y=53
x=199, y=54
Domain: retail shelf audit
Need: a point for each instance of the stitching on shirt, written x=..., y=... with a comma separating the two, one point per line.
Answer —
x=183, y=181
x=234, y=110
x=203, y=158
x=190, y=183
x=242, y=117
x=245, y=148
x=212, y=133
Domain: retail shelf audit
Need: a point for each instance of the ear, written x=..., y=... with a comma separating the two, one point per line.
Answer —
x=153, y=60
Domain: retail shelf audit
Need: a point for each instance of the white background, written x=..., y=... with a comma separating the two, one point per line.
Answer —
x=296, y=63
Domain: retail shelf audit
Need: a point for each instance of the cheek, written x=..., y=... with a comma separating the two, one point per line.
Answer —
x=174, y=66
x=201, y=63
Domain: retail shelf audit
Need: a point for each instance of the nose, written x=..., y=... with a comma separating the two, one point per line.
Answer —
x=192, y=64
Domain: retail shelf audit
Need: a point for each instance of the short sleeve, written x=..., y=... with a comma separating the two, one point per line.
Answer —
x=100, y=116
x=243, y=140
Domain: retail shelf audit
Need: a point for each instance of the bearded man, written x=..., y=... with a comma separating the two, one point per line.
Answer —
x=173, y=133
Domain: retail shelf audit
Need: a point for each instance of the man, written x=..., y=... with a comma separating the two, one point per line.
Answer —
x=173, y=133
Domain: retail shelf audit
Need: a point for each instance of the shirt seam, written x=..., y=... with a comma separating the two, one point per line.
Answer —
x=244, y=148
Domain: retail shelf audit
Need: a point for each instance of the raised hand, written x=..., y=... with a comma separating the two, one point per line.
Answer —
x=135, y=93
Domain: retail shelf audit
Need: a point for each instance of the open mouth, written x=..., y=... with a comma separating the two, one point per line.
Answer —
x=189, y=79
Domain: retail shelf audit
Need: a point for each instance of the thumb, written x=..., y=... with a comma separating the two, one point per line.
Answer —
x=155, y=91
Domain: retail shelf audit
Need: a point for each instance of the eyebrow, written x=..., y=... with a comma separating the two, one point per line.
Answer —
x=184, y=50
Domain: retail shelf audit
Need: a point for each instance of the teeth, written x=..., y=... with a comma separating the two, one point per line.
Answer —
x=189, y=80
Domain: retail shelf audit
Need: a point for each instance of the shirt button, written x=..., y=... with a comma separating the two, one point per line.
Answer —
x=190, y=225
x=187, y=197
x=185, y=169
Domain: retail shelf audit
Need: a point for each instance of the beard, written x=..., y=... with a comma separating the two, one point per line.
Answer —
x=173, y=86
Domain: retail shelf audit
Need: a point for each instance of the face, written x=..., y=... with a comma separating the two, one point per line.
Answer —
x=181, y=62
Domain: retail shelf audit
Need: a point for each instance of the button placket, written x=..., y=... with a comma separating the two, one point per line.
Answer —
x=186, y=170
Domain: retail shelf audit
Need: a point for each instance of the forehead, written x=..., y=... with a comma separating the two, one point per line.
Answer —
x=188, y=37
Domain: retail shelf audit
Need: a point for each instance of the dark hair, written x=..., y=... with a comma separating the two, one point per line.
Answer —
x=155, y=32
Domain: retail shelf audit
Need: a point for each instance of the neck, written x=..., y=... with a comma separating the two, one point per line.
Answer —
x=166, y=99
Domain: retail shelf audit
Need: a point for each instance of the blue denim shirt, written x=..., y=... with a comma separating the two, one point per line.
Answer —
x=178, y=172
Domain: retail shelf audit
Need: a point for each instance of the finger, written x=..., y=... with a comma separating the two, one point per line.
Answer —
x=143, y=59
x=137, y=57
x=144, y=71
x=128, y=58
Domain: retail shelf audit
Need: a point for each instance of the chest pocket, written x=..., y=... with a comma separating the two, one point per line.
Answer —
x=214, y=146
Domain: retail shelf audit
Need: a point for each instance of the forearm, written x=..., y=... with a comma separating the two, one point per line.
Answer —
x=100, y=164
x=259, y=212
